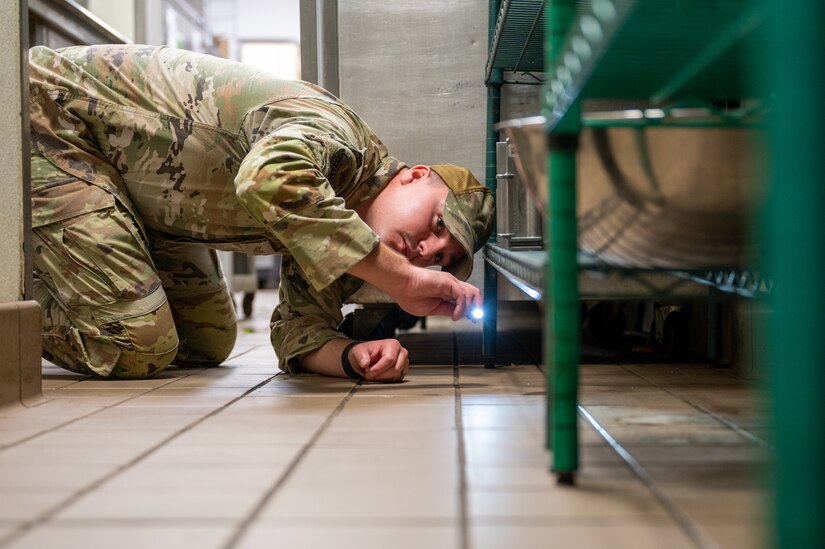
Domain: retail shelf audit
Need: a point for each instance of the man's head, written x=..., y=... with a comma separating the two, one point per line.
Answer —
x=437, y=215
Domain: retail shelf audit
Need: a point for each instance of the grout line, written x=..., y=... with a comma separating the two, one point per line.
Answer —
x=85, y=416
x=48, y=514
x=67, y=385
x=244, y=526
x=29, y=438
x=464, y=542
x=726, y=422
x=690, y=527
x=242, y=353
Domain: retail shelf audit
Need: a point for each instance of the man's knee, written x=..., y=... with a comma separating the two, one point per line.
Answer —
x=206, y=323
x=201, y=303
x=205, y=344
x=147, y=344
x=137, y=347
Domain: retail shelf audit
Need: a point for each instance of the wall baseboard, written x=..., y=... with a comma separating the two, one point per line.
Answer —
x=20, y=345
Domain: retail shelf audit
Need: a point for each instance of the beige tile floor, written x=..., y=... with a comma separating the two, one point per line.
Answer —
x=242, y=456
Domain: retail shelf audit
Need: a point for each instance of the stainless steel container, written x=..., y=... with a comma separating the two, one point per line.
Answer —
x=517, y=217
x=669, y=196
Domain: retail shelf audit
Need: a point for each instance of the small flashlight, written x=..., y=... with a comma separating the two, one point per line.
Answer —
x=476, y=313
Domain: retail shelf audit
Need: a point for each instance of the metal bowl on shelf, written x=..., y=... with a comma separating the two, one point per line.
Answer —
x=655, y=196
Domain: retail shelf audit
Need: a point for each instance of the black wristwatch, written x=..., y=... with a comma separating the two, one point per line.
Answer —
x=348, y=369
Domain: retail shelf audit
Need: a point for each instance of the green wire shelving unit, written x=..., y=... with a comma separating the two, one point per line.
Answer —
x=663, y=52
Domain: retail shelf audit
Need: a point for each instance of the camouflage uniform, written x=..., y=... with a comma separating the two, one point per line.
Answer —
x=144, y=161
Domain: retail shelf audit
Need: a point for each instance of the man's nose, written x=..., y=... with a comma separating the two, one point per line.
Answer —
x=429, y=248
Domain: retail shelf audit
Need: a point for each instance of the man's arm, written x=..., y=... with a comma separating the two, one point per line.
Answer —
x=306, y=338
x=282, y=183
x=419, y=291
x=306, y=319
x=381, y=360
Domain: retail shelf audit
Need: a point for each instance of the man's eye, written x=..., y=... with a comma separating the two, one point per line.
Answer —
x=438, y=257
x=439, y=225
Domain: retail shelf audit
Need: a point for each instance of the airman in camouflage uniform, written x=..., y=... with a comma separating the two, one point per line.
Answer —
x=146, y=160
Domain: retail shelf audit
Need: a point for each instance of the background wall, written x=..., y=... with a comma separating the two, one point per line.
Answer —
x=417, y=76
x=415, y=72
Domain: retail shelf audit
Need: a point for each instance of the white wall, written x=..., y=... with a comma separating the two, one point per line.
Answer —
x=240, y=20
x=119, y=14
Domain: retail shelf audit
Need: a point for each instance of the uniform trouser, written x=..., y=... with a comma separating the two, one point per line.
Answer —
x=116, y=303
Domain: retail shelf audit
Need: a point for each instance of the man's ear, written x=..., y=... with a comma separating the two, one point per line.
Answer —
x=416, y=173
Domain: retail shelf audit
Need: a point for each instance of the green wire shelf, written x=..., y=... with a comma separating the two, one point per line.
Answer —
x=657, y=51
x=518, y=38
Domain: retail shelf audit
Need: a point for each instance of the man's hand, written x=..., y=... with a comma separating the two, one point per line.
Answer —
x=430, y=292
x=419, y=291
x=382, y=360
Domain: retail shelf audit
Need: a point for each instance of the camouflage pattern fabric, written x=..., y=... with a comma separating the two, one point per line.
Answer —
x=104, y=311
x=306, y=318
x=194, y=152
x=202, y=307
x=113, y=305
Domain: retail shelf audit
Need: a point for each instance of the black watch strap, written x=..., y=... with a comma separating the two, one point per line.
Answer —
x=345, y=362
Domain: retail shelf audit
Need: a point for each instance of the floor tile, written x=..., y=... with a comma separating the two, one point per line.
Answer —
x=406, y=499
x=226, y=380
x=406, y=389
x=196, y=502
x=184, y=476
x=721, y=504
x=374, y=536
x=396, y=418
x=621, y=533
x=742, y=533
x=44, y=455
x=139, y=536
x=503, y=417
x=29, y=478
x=218, y=453
x=442, y=440
x=589, y=499
x=24, y=505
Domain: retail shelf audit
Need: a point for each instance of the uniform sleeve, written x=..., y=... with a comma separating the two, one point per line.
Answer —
x=284, y=182
x=306, y=319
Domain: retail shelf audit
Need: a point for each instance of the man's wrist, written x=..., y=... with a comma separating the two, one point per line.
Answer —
x=345, y=362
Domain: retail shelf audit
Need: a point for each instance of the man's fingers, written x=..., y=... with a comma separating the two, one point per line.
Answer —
x=384, y=363
x=445, y=308
x=402, y=363
x=462, y=306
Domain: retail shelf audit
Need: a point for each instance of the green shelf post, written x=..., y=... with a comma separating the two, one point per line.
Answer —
x=561, y=305
x=795, y=244
x=490, y=322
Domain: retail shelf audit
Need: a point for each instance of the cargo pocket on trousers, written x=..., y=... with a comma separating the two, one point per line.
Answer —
x=105, y=243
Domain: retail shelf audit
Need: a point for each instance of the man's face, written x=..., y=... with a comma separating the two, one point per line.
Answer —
x=407, y=216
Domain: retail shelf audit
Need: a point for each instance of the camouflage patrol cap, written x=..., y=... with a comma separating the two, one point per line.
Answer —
x=468, y=214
